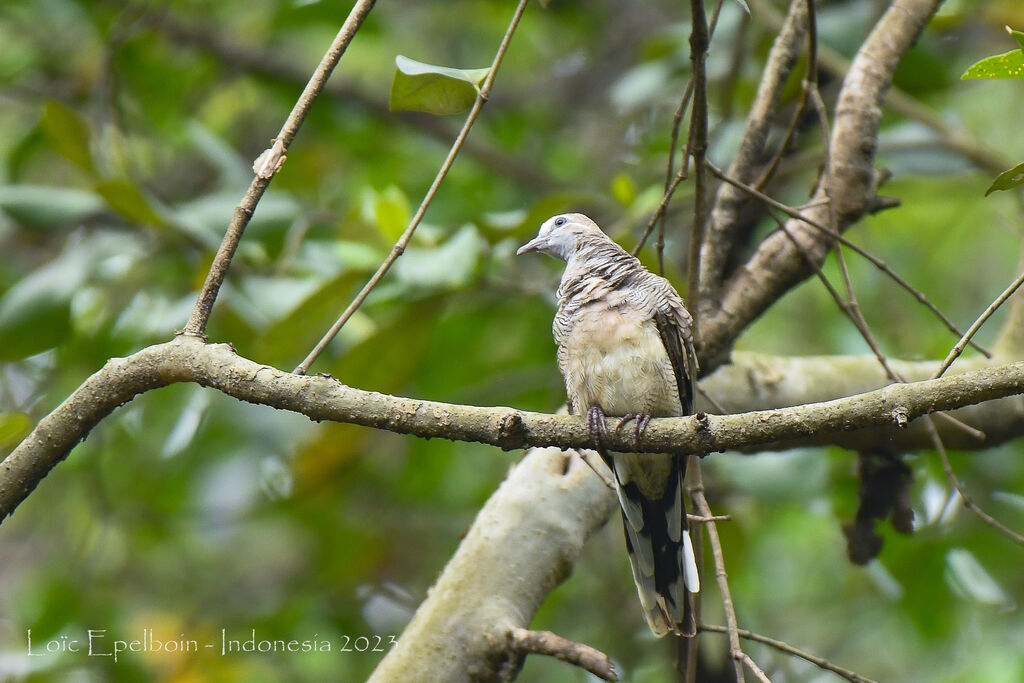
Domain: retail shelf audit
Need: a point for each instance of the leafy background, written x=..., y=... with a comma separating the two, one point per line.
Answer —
x=126, y=141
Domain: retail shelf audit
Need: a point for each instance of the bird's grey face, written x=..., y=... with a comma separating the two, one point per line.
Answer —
x=557, y=237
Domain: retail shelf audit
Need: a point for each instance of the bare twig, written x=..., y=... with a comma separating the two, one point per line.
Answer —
x=810, y=82
x=958, y=485
x=958, y=348
x=781, y=646
x=724, y=229
x=660, y=210
x=403, y=240
x=839, y=237
x=524, y=641
x=705, y=520
x=851, y=309
x=673, y=140
x=719, y=408
x=698, y=144
x=272, y=66
x=754, y=668
x=952, y=136
x=701, y=503
x=672, y=178
x=243, y=212
x=595, y=465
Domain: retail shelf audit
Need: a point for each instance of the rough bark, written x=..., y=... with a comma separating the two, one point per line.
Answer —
x=768, y=383
x=528, y=537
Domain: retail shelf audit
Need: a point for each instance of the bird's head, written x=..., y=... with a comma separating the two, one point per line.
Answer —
x=560, y=235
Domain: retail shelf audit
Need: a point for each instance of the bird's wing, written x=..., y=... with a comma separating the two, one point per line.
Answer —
x=680, y=353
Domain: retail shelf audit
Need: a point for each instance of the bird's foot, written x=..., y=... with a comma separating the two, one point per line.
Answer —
x=596, y=425
x=639, y=421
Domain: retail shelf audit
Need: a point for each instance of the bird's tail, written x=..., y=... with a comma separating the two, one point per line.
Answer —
x=660, y=550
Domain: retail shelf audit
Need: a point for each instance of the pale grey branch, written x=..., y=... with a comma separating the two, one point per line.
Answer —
x=845, y=421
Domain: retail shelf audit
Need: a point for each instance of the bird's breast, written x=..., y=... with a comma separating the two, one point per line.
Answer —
x=614, y=358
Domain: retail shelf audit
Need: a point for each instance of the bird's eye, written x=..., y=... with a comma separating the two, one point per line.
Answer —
x=560, y=221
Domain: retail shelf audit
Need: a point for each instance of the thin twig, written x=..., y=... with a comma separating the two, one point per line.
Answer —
x=244, y=211
x=956, y=483
x=698, y=143
x=839, y=237
x=952, y=136
x=719, y=408
x=958, y=348
x=698, y=519
x=660, y=210
x=524, y=641
x=688, y=649
x=730, y=224
x=754, y=668
x=273, y=66
x=788, y=649
x=403, y=241
x=587, y=456
x=852, y=311
x=670, y=173
x=701, y=503
x=673, y=178
x=810, y=81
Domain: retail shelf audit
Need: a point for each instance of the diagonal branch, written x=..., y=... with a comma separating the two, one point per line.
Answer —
x=777, y=265
x=243, y=212
x=722, y=240
x=272, y=66
x=459, y=633
x=951, y=135
x=819, y=662
x=403, y=240
x=867, y=255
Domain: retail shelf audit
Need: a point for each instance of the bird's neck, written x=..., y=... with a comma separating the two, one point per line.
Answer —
x=595, y=267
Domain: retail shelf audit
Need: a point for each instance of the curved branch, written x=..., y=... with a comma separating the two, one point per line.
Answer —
x=730, y=202
x=847, y=192
x=188, y=359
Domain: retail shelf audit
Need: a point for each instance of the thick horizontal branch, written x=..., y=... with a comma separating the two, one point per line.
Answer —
x=188, y=359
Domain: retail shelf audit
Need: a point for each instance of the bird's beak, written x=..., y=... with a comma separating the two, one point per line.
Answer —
x=533, y=245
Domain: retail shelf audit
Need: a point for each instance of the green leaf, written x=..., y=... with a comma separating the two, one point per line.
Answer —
x=391, y=211
x=965, y=573
x=40, y=206
x=623, y=189
x=1007, y=65
x=452, y=265
x=1019, y=36
x=1007, y=180
x=68, y=133
x=13, y=428
x=129, y=201
x=433, y=89
x=35, y=314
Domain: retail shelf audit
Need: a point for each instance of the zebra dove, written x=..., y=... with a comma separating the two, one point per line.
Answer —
x=625, y=349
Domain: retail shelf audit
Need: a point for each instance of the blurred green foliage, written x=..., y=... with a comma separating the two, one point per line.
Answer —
x=126, y=139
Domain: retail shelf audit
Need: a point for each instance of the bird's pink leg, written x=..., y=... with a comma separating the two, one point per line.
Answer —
x=639, y=420
x=596, y=425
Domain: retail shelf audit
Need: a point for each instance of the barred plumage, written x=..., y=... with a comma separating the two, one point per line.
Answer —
x=625, y=346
